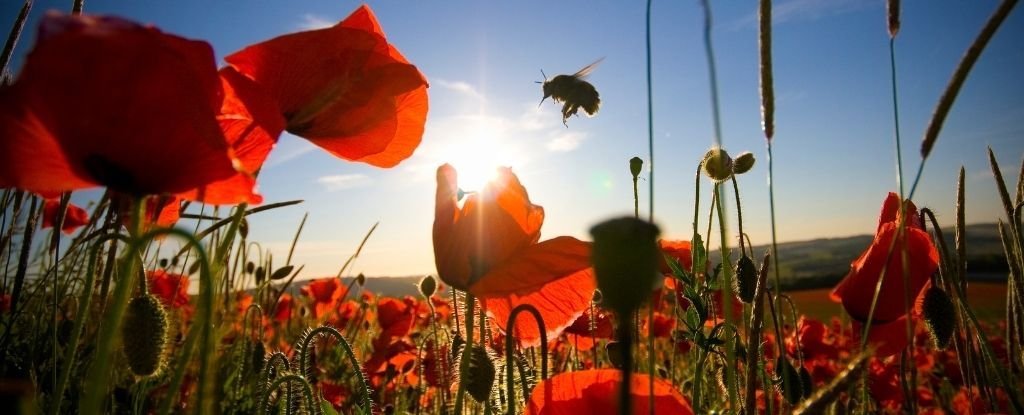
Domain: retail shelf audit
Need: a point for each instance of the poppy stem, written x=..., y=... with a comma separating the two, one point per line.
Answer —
x=650, y=120
x=12, y=38
x=625, y=337
x=466, y=356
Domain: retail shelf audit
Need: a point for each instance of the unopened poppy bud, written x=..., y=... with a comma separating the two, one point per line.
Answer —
x=598, y=297
x=806, y=383
x=361, y=279
x=717, y=164
x=614, y=351
x=744, y=283
x=939, y=316
x=625, y=256
x=427, y=286
x=259, y=352
x=788, y=380
x=743, y=163
x=145, y=333
x=480, y=376
x=636, y=164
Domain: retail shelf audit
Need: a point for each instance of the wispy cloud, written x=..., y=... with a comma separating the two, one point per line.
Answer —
x=806, y=10
x=312, y=22
x=460, y=87
x=565, y=142
x=343, y=181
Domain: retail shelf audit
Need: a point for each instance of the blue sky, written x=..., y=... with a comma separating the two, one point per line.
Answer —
x=833, y=145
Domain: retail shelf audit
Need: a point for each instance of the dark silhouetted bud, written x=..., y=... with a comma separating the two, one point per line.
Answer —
x=787, y=380
x=480, y=376
x=636, y=164
x=625, y=256
x=427, y=286
x=744, y=283
x=939, y=316
x=614, y=351
x=743, y=163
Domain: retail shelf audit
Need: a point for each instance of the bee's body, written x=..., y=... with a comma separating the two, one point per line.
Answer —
x=574, y=92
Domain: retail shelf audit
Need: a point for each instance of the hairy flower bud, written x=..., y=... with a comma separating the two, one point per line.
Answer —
x=744, y=283
x=427, y=286
x=717, y=164
x=636, y=164
x=743, y=163
x=145, y=334
x=939, y=316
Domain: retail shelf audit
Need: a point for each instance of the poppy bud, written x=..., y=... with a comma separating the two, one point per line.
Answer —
x=744, y=283
x=635, y=165
x=163, y=262
x=717, y=164
x=939, y=316
x=259, y=352
x=480, y=376
x=743, y=163
x=456, y=346
x=427, y=286
x=361, y=279
x=614, y=351
x=145, y=333
x=250, y=267
x=806, y=383
x=260, y=275
x=787, y=380
x=598, y=297
x=625, y=256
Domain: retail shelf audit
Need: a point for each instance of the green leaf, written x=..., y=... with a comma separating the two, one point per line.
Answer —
x=326, y=408
x=700, y=257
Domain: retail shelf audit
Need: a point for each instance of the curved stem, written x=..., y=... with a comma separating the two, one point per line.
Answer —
x=305, y=363
x=509, y=338
x=307, y=393
x=83, y=313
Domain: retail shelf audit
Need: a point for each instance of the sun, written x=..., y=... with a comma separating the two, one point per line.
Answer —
x=477, y=153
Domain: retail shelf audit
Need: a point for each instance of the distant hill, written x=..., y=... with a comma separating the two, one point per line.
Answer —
x=814, y=263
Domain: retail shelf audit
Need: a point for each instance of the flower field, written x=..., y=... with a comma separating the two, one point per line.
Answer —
x=118, y=308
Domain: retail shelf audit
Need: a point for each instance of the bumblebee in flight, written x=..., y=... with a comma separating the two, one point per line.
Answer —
x=574, y=92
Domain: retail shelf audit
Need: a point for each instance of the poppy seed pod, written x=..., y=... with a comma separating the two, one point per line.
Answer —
x=743, y=163
x=480, y=376
x=636, y=164
x=427, y=286
x=745, y=281
x=625, y=257
x=145, y=333
x=939, y=316
x=717, y=164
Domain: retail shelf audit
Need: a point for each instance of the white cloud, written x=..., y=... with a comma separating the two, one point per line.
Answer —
x=565, y=142
x=312, y=22
x=460, y=87
x=343, y=181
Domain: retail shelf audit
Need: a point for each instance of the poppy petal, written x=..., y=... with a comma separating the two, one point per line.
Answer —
x=138, y=113
x=251, y=124
x=596, y=392
x=74, y=218
x=560, y=302
x=344, y=88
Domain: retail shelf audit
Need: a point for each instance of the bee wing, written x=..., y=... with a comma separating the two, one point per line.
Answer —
x=582, y=73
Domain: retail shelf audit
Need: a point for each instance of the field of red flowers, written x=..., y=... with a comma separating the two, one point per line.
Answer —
x=94, y=320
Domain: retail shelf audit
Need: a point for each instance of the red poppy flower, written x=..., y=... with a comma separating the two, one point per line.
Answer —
x=74, y=218
x=815, y=340
x=395, y=318
x=857, y=289
x=489, y=247
x=161, y=211
x=596, y=392
x=680, y=250
x=283, y=310
x=345, y=88
x=251, y=123
x=661, y=327
x=171, y=289
x=136, y=114
x=325, y=293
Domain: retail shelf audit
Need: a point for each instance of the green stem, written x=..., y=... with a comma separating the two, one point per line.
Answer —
x=83, y=312
x=307, y=392
x=466, y=355
x=650, y=119
x=727, y=296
